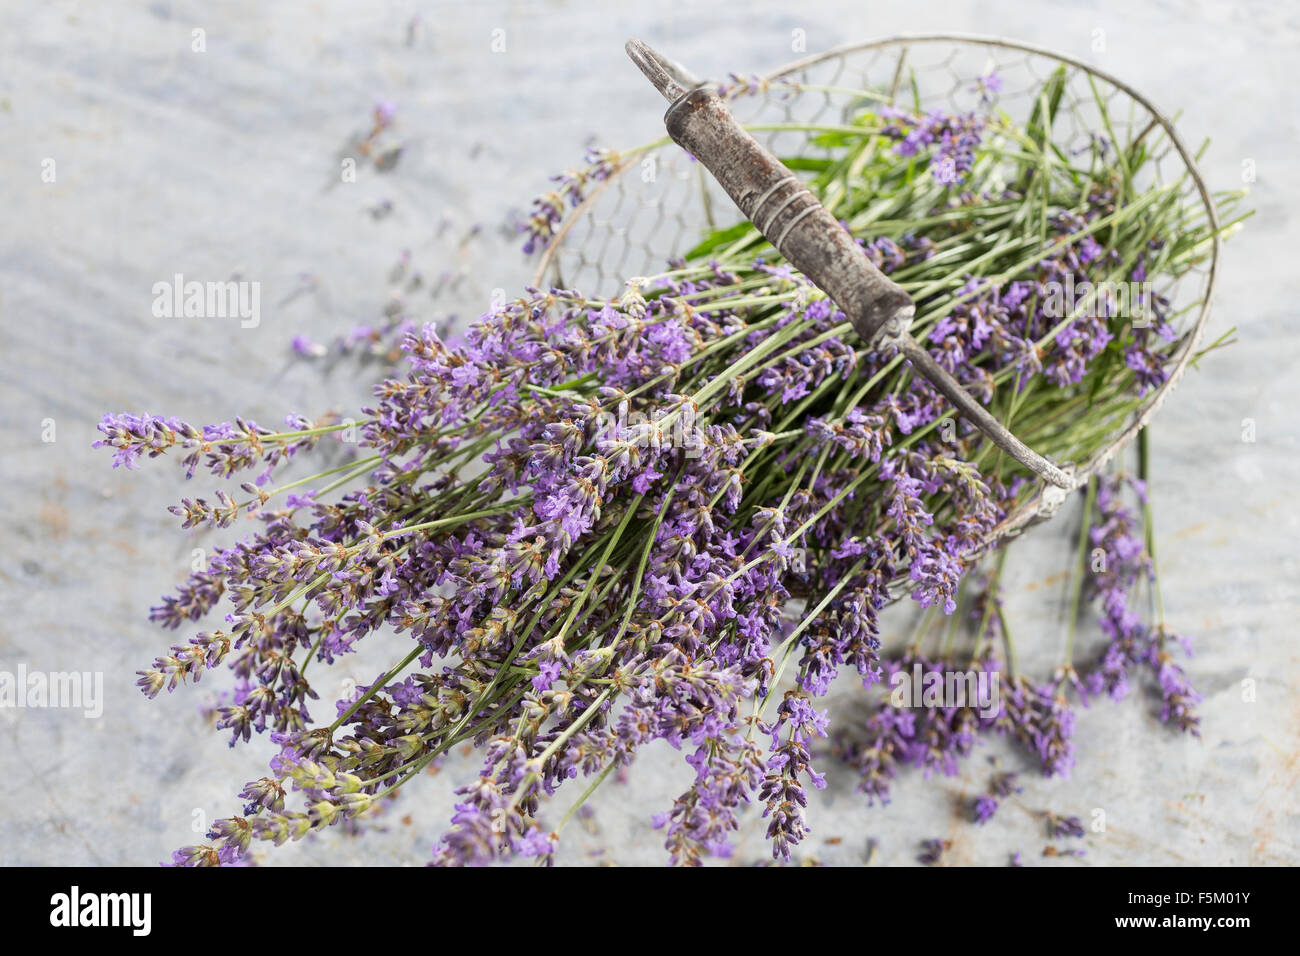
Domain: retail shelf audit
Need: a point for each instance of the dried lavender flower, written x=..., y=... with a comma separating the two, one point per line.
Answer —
x=592, y=520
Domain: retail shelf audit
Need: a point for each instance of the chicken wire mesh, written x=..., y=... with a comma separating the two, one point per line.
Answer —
x=657, y=202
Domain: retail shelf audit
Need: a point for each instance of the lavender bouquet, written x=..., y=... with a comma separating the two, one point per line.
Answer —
x=676, y=511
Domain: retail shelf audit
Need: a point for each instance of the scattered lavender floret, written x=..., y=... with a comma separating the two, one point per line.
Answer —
x=932, y=851
x=1063, y=826
x=986, y=805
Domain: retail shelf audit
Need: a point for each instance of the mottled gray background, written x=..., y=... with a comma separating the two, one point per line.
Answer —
x=222, y=162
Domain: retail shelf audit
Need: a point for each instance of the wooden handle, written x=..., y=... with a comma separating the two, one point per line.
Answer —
x=789, y=216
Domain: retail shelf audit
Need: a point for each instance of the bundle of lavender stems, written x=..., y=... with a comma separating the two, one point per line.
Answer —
x=675, y=513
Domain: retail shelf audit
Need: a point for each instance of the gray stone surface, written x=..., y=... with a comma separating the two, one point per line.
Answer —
x=221, y=162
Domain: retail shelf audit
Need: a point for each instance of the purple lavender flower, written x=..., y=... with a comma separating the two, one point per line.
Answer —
x=932, y=851
x=1063, y=826
x=983, y=808
x=955, y=139
x=1118, y=536
x=548, y=209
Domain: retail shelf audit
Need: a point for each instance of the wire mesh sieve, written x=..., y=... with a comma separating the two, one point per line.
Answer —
x=630, y=224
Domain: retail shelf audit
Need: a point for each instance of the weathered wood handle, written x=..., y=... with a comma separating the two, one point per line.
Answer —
x=789, y=215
